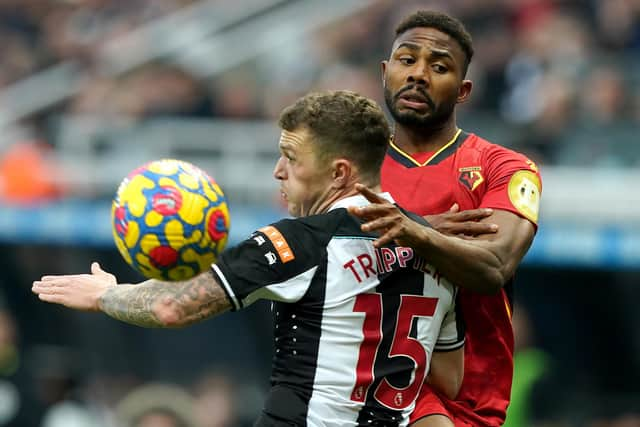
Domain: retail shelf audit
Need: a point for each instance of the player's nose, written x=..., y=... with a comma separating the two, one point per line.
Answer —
x=419, y=74
x=279, y=172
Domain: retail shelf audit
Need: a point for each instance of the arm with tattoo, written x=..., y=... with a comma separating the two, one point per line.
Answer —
x=157, y=304
x=151, y=304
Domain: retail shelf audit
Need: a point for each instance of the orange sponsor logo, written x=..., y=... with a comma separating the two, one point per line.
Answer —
x=279, y=243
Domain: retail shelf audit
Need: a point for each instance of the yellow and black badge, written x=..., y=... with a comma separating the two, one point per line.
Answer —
x=524, y=193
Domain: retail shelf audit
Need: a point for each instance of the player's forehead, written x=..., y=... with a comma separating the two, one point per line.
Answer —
x=428, y=38
x=298, y=140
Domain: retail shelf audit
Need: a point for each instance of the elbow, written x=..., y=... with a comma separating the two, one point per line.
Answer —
x=452, y=387
x=492, y=282
x=168, y=314
x=448, y=386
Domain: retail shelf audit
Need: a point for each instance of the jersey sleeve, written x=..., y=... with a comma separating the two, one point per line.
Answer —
x=452, y=329
x=276, y=262
x=513, y=183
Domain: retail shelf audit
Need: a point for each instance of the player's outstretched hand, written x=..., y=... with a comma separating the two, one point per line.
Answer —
x=385, y=218
x=78, y=291
x=463, y=223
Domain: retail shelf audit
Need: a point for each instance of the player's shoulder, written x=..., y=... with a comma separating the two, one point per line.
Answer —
x=474, y=141
x=489, y=150
x=319, y=227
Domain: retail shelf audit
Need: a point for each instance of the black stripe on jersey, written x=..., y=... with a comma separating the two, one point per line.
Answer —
x=460, y=324
x=404, y=161
x=297, y=330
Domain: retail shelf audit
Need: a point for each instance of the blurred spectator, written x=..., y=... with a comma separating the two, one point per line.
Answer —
x=59, y=373
x=617, y=22
x=157, y=405
x=604, y=96
x=626, y=420
x=216, y=398
x=557, y=104
x=17, y=405
x=138, y=95
x=28, y=174
x=524, y=51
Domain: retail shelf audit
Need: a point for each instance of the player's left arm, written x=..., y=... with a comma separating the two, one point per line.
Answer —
x=447, y=362
x=150, y=304
x=447, y=372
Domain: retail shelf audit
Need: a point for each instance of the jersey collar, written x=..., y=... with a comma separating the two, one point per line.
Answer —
x=405, y=159
x=358, y=201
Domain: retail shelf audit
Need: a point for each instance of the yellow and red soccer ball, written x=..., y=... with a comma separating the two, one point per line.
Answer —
x=170, y=220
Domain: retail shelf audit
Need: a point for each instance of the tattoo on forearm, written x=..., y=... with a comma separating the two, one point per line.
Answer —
x=151, y=303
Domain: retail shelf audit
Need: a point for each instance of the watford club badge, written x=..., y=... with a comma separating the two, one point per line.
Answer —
x=471, y=177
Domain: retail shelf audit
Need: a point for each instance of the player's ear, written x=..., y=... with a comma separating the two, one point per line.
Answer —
x=383, y=72
x=342, y=171
x=465, y=91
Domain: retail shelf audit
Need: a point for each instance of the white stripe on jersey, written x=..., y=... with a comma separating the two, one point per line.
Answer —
x=434, y=328
x=288, y=291
x=225, y=285
x=341, y=329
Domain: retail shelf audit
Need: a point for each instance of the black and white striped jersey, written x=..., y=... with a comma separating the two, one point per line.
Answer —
x=355, y=326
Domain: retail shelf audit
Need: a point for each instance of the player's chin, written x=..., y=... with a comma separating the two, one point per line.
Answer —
x=413, y=118
x=294, y=210
x=417, y=109
x=413, y=113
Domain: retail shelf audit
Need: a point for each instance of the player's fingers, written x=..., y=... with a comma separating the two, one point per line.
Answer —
x=383, y=240
x=393, y=232
x=473, y=214
x=357, y=211
x=454, y=208
x=52, y=298
x=95, y=268
x=476, y=228
x=39, y=287
x=63, y=277
x=373, y=211
x=379, y=224
x=369, y=194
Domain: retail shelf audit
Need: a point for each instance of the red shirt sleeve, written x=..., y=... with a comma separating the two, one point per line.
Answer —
x=513, y=183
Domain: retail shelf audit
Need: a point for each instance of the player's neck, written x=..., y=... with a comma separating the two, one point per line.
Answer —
x=333, y=196
x=420, y=139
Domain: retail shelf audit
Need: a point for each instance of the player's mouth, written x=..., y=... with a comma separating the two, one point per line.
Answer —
x=414, y=100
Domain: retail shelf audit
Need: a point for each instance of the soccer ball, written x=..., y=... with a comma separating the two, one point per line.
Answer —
x=170, y=220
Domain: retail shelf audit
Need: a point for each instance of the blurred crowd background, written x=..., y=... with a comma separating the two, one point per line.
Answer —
x=89, y=89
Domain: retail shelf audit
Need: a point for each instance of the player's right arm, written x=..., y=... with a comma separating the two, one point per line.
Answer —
x=463, y=223
x=151, y=304
x=483, y=264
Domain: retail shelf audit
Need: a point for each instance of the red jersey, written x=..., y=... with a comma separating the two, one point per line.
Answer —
x=474, y=173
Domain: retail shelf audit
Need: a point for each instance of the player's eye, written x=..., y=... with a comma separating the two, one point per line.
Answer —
x=407, y=60
x=439, y=68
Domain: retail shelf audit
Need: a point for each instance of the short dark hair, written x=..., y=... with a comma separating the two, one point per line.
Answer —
x=343, y=124
x=441, y=22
